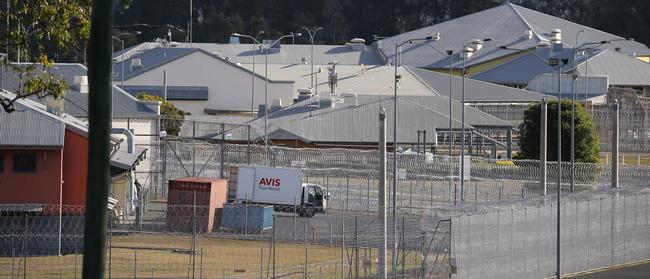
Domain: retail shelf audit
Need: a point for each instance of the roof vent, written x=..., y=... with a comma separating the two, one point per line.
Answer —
x=529, y=34
x=174, y=44
x=304, y=94
x=477, y=44
x=80, y=83
x=556, y=36
x=276, y=104
x=468, y=52
x=136, y=63
x=357, y=44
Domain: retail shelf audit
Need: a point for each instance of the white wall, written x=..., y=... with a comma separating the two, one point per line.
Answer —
x=229, y=86
x=195, y=108
x=145, y=131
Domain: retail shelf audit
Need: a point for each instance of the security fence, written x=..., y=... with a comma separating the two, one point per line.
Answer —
x=598, y=229
x=423, y=180
x=239, y=241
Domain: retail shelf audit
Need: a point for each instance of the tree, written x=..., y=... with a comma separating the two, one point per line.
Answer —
x=36, y=31
x=173, y=116
x=586, y=141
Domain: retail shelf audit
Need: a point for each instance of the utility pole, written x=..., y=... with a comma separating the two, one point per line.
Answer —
x=382, y=194
x=99, y=116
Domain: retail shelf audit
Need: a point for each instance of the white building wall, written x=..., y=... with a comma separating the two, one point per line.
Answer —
x=145, y=131
x=229, y=86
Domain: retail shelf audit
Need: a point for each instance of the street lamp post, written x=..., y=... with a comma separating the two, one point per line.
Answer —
x=554, y=62
x=121, y=57
x=576, y=49
x=312, y=33
x=465, y=53
x=449, y=53
x=574, y=76
x=266, y=82
x=255, y=43
x=394, y=196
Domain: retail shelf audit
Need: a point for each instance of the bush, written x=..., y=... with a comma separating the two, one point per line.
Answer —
x=586, y=141
x=173, y=116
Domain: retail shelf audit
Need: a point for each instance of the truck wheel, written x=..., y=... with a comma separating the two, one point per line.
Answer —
x=301, y=212
x=310, y=212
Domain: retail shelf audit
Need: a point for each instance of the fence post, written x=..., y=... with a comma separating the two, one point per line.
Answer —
x=222, y=151
x=273, y=246
x=135, y=263
x=193, y=148
x=261, y=262
x=543, y=146
x=382, y=196
x=356, y=247
x=248, y=145
x=615, y=134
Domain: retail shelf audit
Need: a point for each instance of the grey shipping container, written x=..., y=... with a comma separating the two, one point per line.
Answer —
x=253, y=218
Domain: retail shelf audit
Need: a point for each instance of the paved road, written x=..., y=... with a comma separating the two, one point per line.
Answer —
x=641, y=271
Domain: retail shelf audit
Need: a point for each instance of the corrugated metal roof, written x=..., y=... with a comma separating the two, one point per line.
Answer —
x=149, y=59
x=126, y=161
x=543, y=24
x=507, y=24
x=288, y=53
x=76, y=103
x=30, y=127
x=156, y=57
x=523, y=69
x=173, y=92
x=356, y=119
x=547, y=84
x=475, y=90
x=620, y=68
x=374, y=80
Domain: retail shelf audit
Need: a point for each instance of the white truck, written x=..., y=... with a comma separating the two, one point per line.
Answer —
x=280, y=187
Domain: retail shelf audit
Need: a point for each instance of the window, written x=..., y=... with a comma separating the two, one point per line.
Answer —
x=311, y=195
x=24, y=163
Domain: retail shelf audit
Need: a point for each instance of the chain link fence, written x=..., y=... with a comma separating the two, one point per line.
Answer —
x=190, y=240
x=598, y=229
x=238, y=241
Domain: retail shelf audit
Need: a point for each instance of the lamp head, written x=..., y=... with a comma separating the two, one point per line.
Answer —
x=489, y=39
x=543, y=44
x=235, y=34
x=503, y=47
x=296, y=34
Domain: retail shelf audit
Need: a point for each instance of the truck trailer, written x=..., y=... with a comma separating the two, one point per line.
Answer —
x=280, y=187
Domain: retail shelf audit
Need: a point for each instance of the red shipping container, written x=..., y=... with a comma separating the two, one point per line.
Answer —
x=211, y=193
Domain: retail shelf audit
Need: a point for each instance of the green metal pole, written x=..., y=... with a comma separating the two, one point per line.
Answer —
x=99, y=118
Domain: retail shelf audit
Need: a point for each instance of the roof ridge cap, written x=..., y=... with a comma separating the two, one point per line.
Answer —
x=512, y=6
x=571, y=22
x=420, y=79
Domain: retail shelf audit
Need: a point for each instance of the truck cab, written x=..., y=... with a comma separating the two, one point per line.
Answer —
x=314, y=200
